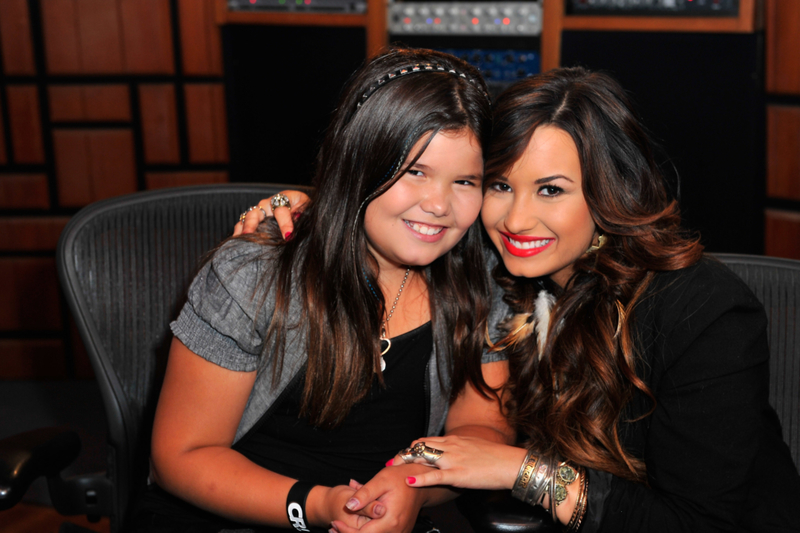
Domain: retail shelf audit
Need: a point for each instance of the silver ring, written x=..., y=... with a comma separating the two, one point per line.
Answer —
x=279, y=200
x=421, y=451
x=244, y=214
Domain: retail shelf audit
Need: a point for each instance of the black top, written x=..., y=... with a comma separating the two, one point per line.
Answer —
x=713, y=449
x=373, y=432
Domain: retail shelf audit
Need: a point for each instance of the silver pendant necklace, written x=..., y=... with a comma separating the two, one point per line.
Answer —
x=384, y=338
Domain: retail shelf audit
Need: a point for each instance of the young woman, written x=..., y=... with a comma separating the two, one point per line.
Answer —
x=639, y=366
x=300, y=365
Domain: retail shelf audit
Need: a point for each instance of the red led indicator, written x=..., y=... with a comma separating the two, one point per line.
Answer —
x=437, y=20
x=476, y=20
x=252, y=1
x=407, y=20
x=506, y=21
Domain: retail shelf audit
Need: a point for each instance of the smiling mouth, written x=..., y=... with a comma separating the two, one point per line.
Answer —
x=528, y=245
x=424, y=229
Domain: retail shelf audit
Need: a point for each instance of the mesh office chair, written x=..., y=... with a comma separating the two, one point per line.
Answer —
x=776, y=283
x=124, y=264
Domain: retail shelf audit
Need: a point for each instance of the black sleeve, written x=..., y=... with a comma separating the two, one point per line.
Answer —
x=703, y=444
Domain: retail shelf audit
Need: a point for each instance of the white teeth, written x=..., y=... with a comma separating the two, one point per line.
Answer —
x=424, y=229
x=530, y=244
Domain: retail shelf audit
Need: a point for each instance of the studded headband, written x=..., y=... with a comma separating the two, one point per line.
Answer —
x=420, y=67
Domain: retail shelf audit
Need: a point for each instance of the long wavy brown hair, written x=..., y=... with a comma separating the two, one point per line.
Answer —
x=573, y=400
x=327, y=263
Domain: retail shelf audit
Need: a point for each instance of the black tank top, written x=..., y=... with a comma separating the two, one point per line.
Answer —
x=374, y=430
x=387, y=420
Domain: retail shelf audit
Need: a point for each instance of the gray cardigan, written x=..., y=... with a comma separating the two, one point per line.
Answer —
x=220, y=323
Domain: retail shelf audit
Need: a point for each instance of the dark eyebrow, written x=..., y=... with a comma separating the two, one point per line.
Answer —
x=548, y=179
x=420, y=166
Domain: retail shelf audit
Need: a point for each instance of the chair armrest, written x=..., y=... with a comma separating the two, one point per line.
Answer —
x=26, y=456
x=496, y=511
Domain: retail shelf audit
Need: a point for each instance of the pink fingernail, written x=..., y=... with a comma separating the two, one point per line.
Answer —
x=411, y=480
x=390, y=462
x=287, y=235
x=379, y=510
x=351, y=504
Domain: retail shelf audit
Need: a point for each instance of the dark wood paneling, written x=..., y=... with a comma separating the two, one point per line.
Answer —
x=93, y=164
x=29, y=294
x=71, y=153
x=783, y=152
x=26, y=123
x=783, y=46
x=113, y=165
x=162, y=180
x=99, y=33
x=205, y=123
x=32, y=359
x=61, y=40
x=15, y=38
x=159, y=123
x=201, y=46
x=95, y=103
x=782, y=237
x=23, y=191
x=26, y=234
x=147, y=36
x=3, y=154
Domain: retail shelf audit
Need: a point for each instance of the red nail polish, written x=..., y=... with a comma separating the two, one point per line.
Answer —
x=411, y=480
x=287, y=236
x=389, y=462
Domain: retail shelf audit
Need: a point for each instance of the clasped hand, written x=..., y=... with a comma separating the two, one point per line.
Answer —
x=393, y=504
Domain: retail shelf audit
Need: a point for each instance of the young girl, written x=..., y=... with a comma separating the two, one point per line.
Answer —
x=639, y=367
x=300, y=365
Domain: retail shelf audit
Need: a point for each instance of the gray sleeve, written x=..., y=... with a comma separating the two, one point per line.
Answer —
x=497, y=314
x=221, y=320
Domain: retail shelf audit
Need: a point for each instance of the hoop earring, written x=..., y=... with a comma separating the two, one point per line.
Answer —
x=601, y=240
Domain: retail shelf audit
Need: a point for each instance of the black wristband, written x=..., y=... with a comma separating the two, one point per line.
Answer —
x=296, y=505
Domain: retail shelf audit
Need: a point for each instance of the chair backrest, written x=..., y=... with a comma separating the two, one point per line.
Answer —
x=776, y=282
x=125, y=264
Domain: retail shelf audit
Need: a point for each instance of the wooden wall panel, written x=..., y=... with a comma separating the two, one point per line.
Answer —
x=162, y=180
x=24, y=191
x=147, y=36
x=99, y=31
x=782, y=234
x=61, y=42
x=93, y=164
x=30, y=234
x=783, y=151
x=94, y=103
x=32, y=359
x=159, y=123
x=29, y=294
x=783, y=46
x=3, y=155
x=26, y=124
x=16, y=39
x=205, y=123
x=201, y=44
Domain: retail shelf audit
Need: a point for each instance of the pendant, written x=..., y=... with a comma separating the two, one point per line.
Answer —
x=388, y=345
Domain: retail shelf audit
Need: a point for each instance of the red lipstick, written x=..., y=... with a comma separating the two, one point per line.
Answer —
x=524, y=252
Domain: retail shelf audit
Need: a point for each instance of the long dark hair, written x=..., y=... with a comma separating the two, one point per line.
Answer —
x=572, y=400
x=327, y=263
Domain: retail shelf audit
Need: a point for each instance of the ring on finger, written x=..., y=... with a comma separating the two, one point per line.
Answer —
x=279, y=200
x=421, y=451
x=244, y=214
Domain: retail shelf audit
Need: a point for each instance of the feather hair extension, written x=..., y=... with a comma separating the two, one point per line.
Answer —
x=544, y=303
x=521, y=325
